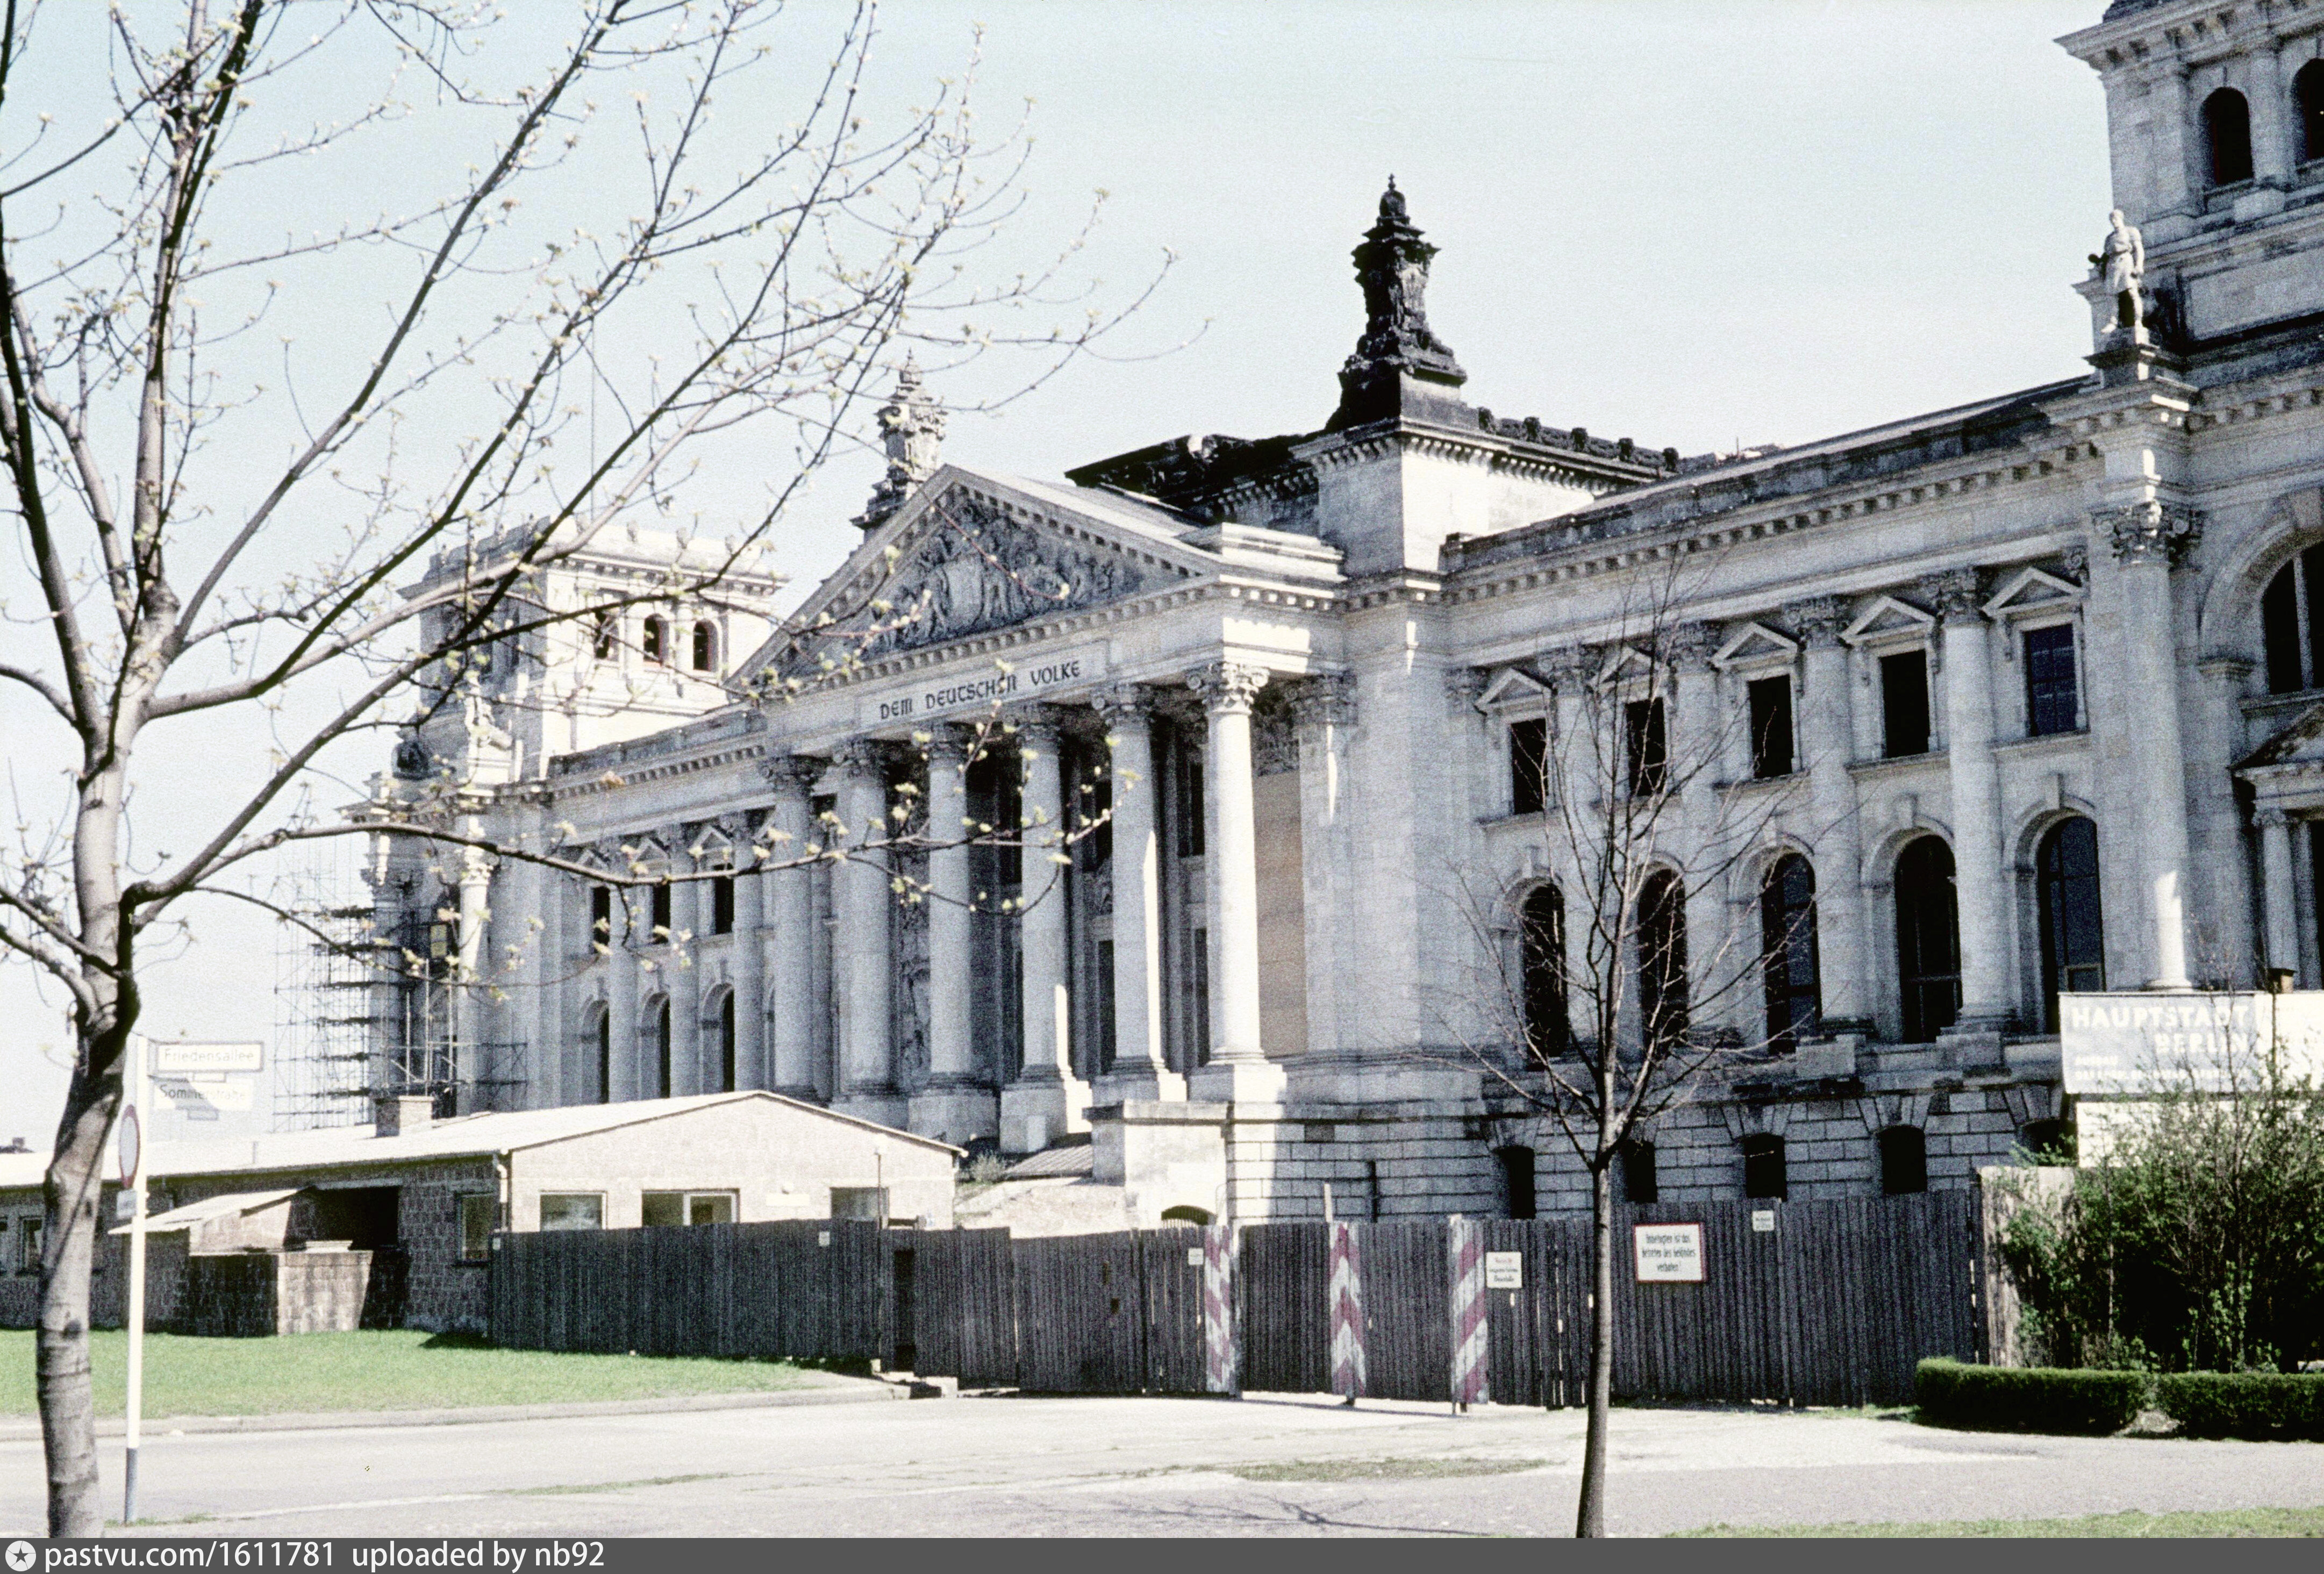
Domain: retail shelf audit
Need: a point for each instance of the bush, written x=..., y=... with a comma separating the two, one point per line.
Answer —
x=2262, y=1405
x=2045, y=1399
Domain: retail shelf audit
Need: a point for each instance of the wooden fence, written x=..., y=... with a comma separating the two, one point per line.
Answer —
x=1831, y=1306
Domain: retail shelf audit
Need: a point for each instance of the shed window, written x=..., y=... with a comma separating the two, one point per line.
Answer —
x=478, y=1212
x=2050, y=697
x=1903, y=1161
x=1763, y=1168
x=865, y=1202
x=1528, y=765
x=572, y=1210
x=1771, y=727
x=2226, y=133
x=1904, y=703
x=665, y=1210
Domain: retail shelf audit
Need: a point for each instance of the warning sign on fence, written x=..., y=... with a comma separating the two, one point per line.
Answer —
x=1504, y=1270
x=1668, y=1254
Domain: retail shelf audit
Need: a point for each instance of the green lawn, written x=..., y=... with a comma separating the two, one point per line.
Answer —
x=2233, y=1521
x=401, y=1371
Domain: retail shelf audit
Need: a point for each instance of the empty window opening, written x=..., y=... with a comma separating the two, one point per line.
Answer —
x=1661, y=959
x=2292, y=630
x=478, y=1212
x=1528, y=765
x=722, y=905
x=1186, y=1213
x=1787, y=940
x=706, y=647
x=1904, y=703
x=1646, y=751
x=605, y=638
x=2308, y=94
x=1640, y=1182
x=28, y=1245
x=1190, y=806
x=1903, y=1161
x=572, y=1210
x=655, y=641
x=2226, y=133
x=1540, y=972
x=2048, y=1142
x=726, y=1042
x=601, y=916
x=1928, y=939
x=2053, y=700
x=661, y=928
x=1518, y=1180
x=1771, y=727
x=2073, y=922
x=602, y=1032
x=671, y=1209
x=1763, y=1168
x=659, y=1019
x=367, y=1217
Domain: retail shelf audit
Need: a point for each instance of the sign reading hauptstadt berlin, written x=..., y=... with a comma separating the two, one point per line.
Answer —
x=979, y=688
x=2199, y=1042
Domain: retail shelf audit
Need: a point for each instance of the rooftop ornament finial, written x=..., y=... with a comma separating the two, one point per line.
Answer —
x=1392, y=266
x=912, y=426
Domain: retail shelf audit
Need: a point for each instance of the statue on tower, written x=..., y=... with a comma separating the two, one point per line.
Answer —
x=1392, y=266
x=2122, y=266
x=912, y=424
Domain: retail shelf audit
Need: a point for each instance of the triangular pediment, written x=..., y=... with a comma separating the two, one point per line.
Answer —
x=1889, y=619
x=969, y=554
x=2032, y=590
x=2299, y=742
x=1511, y=687
x=1625, y=663
x=1757, y=643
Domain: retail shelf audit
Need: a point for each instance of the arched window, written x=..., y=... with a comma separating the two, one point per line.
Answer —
x=705, y=646
x=2308, y=94
x=1903, y=1161
x=2226, y=133
x=601, y=1035
x=658, y=1029
x=1928, y=939
x=2048, y=1142
x=1541, y=967
x=726, y=1042
x=1516, y=1180
x=655, y=642
x=608, y=635
x=2292, y=629
x=2073, y=927
x=1787, y=941
x=1661, y=958
x=1186, y=1213
x=1763, y=1168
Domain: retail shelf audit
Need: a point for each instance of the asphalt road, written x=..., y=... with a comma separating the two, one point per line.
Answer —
x=1016, y=1466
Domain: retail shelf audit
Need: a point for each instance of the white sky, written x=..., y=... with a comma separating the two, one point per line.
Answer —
x=1690, y=223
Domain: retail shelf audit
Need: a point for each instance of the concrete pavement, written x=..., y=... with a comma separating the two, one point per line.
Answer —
x=1018, y=1466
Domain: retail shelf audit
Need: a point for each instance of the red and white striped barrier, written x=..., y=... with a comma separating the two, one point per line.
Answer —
x=1465, y=1252
x=1347, y=1315
x=1220, y=1355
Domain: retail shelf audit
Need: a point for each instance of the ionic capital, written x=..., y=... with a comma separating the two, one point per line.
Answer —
x=1227, y=688
x=862, y=759
x=1328, y=699
x=2268, y=817
x=1038, y=727
x=1689, y=646
x=949, y=743
x=1569, y=667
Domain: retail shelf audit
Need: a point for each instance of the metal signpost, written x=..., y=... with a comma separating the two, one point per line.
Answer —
x=132, y=1180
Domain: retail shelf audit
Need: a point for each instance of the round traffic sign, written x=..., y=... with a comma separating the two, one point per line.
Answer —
x=131, y=1139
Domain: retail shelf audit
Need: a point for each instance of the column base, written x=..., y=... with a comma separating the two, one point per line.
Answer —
x=1834, y=1057
x=1971, y=1047
x=958, y=1113
x=1138, y=1085
x=1237, y=1081
x=880, y=1106
x=1035, y=1113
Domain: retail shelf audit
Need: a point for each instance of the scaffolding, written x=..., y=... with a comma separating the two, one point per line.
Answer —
x=361, y=1012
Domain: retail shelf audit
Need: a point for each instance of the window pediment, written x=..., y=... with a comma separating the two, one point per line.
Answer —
x=1757, y=646
x=1890, y=621
x=2032, y=590
x=1513, y=689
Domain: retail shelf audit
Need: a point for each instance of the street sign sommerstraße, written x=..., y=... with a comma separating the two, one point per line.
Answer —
x=2128, y=1045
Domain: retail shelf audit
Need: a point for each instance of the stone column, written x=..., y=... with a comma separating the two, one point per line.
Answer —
x=1828, y=732
x=624, y=1079
x=1045, y=1100
x=2147, y=538
x=2276, y=887
x=1579, y=765
x=2273, y=128
x=1978, y=877
x=1239, y=1070
x=472, y=1027
x=789, y=900
x=862, y=947
x=689, y=912
x=1325, y=709
x=1696, y=758
x=955, y=1106
x=1140, y=1069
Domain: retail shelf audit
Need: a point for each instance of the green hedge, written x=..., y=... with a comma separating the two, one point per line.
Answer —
x=2244, y=1404
x=2045, y=1399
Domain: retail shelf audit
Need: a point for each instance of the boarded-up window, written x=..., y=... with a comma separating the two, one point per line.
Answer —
x=477, y=1215
x=572, y=1210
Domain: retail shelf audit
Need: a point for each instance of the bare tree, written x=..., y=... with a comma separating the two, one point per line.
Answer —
x=1596, y=1002
x=237, y=419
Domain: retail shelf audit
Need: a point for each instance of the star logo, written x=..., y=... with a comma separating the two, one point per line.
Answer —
x=20, y=1556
